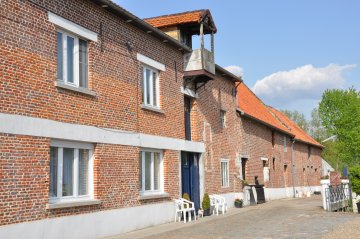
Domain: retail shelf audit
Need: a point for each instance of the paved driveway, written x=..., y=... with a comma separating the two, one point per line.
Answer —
x=288, y=218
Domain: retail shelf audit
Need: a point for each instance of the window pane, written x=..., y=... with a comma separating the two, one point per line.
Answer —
x=147, y=86
x=222, y=173
x=140, y=170
x=156, y=171
x=154, y=88
x=147, y=171
x=143, y=84
x=68, y=177
x=83, y=63
x=83, y=171
x=59, y=56
x=53, y=171
x=70, y=59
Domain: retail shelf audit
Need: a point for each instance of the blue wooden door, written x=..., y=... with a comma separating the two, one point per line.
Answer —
x=190, y=179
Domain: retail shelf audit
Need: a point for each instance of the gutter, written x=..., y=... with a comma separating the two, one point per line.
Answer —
x=141, y=24
x=264, y=123
x=315, y=145
x=293, y=167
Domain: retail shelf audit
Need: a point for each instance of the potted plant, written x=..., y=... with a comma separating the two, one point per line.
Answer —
x=206, y=204
x=238, y=203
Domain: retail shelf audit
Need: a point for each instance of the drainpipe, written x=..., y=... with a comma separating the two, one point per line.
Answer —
x=293, y=167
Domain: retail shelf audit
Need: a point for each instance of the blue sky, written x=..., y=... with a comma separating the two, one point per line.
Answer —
x=288, y=52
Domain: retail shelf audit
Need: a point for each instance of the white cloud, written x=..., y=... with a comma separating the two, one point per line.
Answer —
x=303, y=83
x=236, y=70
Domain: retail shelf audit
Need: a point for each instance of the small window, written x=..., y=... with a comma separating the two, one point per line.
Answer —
x=70, y=173
x=151, y=172
x=150, y=86
x=273, y=138
x=223, y=118
x=309, y=151
x=285, y=168
x=72, y=60
x=243, y=168
x=224, y=173
x=285, y=147
x=273, y=164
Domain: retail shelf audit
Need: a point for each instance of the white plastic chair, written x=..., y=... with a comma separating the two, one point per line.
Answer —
x=190, y=207
x=218, y=203
x=179, y=210
x=222, y=203
x=214, y=204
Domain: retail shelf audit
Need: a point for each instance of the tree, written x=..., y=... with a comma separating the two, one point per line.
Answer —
x=298, y=118
x=317, y=130
x=339, y=111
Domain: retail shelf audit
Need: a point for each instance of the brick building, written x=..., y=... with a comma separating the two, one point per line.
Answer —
x=104, y=119
x=275, y=152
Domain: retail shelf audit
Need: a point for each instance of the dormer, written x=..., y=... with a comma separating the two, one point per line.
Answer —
x=182, y=26
x=199, y=65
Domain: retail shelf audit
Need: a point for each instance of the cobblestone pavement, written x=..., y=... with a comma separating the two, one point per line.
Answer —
x=288, y=218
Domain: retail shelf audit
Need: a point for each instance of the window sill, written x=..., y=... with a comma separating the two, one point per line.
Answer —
x=78, y=203
x=153, y=196
x=148, y=107
x=85, y=91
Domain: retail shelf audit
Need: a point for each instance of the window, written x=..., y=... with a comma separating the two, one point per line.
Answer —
x=151, y=172
x=150, y=86
x=243, y=168
x=224, y=173
x=274, y=164
x=71, y=171
x=273, y=138
x=309, y=151
x=285, y=148
x=223, y=118
x=72, y=60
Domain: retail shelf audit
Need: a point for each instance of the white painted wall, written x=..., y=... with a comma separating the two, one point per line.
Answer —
x=230, y=198
x=92, y=225
x=279, y=193
x=24, y=125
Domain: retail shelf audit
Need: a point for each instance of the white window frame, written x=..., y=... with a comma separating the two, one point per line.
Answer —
x=152, y=82
x=144, y=192
x=76, y=55
x=225, y=179
x=76, y=146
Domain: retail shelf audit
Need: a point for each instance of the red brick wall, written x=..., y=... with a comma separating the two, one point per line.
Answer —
x=28, y=70
x=307, y=170
x=257, y=143
x=24, y=178
x=221, y=143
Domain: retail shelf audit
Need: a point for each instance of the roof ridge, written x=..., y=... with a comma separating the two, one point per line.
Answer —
x=176, y=14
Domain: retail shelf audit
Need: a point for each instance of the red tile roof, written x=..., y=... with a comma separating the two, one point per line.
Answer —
x=176, y=19
x=252, y=106
x=300, y=134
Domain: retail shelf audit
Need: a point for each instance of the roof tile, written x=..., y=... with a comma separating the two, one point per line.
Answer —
x=300, y=134
x=175, y=19
x=251, y=105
